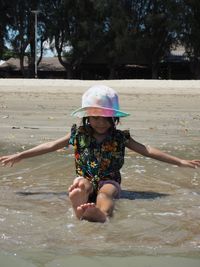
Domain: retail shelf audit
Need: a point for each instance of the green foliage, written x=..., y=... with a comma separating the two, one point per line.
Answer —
x=7, y=53
x=191, y=36
x=143, y=30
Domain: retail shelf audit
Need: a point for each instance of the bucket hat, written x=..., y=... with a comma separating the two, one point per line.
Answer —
x=100, y=100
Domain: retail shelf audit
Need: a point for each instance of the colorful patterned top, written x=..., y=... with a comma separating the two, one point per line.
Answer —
x=98, y=161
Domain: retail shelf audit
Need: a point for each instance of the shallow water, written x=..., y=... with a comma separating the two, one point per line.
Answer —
x=158, y=213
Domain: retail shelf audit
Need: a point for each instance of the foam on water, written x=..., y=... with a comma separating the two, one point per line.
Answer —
x=158, y=213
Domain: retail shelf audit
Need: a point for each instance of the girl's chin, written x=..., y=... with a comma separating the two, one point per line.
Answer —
x=101, y=132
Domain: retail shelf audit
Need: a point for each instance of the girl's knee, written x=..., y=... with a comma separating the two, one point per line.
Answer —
x=104, y=195
x=108, y=191
x=77, y=180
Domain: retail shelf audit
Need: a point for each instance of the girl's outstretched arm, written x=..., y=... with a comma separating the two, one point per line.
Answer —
x=35, y=151
x=155, y=153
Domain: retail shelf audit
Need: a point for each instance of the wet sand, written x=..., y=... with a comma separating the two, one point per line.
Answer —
x=84, y=261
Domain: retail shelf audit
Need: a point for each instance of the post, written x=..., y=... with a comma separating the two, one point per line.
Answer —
x=36, y=13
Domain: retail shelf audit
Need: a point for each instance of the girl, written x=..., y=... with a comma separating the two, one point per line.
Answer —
x=99, y=154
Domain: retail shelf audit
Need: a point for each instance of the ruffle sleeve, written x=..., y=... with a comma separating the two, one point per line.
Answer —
x=122, y=137
x=126, y=136
x=73, y=134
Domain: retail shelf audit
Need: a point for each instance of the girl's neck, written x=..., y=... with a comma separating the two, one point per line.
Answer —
x=100, y=137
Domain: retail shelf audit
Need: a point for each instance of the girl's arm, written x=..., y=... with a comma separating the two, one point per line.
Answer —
x=154, y=153
x=35, y=151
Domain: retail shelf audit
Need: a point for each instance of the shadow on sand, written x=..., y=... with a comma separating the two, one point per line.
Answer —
x=125, y=194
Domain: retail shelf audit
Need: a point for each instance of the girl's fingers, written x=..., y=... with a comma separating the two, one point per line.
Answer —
x=195, y=163
x=7, y=160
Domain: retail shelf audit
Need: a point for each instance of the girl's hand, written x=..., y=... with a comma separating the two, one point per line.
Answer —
x=10, y=160
x=190, y=163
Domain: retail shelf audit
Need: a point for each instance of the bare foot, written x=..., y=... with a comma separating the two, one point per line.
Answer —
x=91, y=213
x=78, y=197
x=82, y=208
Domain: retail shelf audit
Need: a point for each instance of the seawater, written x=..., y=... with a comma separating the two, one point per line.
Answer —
x=158, y=213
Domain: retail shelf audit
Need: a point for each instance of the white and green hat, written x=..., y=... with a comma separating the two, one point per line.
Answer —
x=100, y=100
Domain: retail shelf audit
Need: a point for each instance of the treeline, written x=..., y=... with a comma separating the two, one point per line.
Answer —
x=81, y=29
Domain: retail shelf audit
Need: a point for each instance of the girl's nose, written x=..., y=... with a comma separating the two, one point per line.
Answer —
x=102, y=120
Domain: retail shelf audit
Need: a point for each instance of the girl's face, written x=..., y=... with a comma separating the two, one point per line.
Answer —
x=100, y=124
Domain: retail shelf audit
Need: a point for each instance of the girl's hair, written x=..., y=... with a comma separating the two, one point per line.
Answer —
x=112, y=120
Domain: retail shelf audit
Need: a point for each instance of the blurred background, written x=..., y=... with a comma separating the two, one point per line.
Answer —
x=100, y=39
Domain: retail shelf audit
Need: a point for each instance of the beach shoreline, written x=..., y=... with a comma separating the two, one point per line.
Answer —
x=173, y=87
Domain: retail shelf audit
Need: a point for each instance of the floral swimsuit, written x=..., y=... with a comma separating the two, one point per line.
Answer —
x=98, y=161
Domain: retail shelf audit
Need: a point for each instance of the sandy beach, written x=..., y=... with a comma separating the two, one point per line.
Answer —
x=33, y=111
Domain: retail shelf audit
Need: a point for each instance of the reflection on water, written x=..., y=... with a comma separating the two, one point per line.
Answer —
x=159, y=212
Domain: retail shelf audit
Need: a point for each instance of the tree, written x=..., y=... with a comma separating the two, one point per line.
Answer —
x=85, y=31
x=158, y=31
x=19, y=31
x=22, y=33
x=56, y=27
x=5, y=20
x=114, y=32
x=80, y=30
x=190, y=34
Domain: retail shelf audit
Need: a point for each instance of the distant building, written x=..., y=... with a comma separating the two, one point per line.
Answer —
x=176, y=65
x=2, y=62
x=48, y=68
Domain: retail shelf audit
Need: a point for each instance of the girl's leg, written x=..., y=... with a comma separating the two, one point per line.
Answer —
x=104, y=204
x=106, y=199
x=79, y=192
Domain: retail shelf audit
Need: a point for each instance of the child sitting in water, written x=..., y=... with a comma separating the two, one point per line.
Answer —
x=99, y=154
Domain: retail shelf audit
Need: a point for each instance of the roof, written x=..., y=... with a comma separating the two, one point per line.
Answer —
x=178, y=51
x=177, y=54
x=46, y=64
x=51, y=64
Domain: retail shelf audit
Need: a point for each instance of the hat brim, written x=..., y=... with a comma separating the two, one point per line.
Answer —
x=96, y=111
